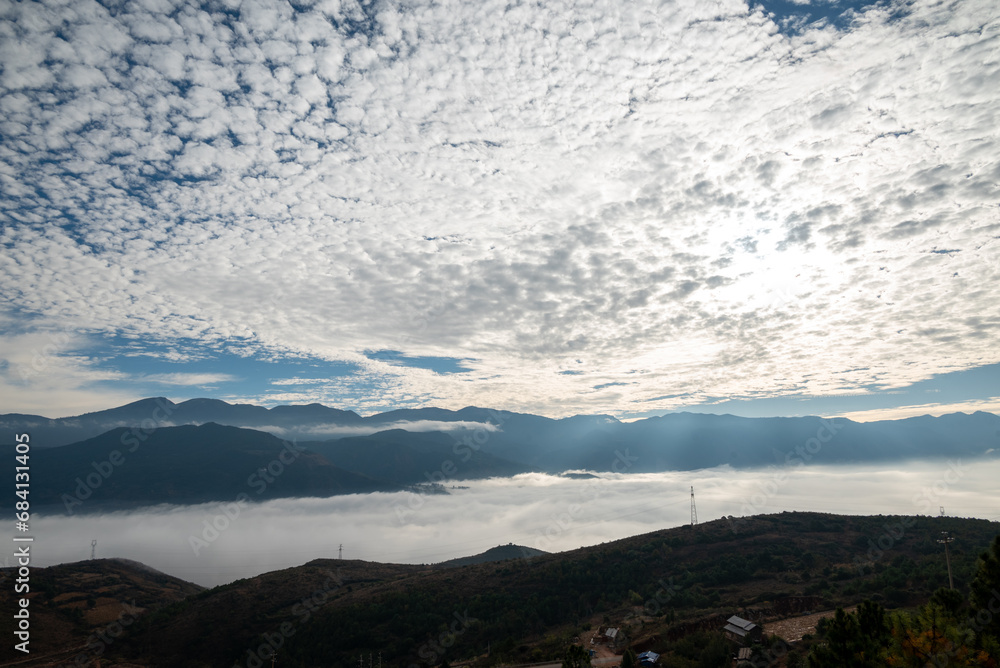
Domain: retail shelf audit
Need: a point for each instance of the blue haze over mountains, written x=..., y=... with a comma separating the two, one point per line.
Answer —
x=348, y=453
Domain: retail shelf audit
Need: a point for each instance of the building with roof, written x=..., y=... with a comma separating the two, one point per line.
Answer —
x=648, y=659
x=741, y=630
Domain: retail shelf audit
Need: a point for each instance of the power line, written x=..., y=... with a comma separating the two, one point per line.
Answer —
x=694, y=511
x=947, y=539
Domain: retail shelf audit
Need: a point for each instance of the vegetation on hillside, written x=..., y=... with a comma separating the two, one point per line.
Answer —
x=949, y=630
x=659, y=587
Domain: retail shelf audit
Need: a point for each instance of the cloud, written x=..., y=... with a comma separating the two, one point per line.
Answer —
x=342, y=431
x=990, y=405
x=45, y=370
x=546, y=512
x=685, y=198
x=189, y=379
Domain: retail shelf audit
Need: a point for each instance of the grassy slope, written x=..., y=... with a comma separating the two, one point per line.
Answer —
x=527, y=609
x=69, y=602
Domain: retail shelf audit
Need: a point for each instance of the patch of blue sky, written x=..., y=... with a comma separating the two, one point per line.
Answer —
x=439, y=365
x=793, y=17
x=187, y=367
x=958, y=386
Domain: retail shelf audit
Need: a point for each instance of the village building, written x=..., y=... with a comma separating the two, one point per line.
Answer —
x=741, y=631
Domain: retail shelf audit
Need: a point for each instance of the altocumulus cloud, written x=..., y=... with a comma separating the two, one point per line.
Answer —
x=673, y=200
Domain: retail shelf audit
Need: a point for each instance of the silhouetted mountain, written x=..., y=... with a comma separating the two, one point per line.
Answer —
x=498, y=553
x=149, y=414
x=676, y=441
x=188, y=464
x=406, y=457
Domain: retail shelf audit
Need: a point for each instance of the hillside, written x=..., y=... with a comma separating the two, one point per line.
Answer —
x=69, y=602
x=407, y=458
x=676, y=441
x=189, y=464
x=658, y=585
x=498, y=553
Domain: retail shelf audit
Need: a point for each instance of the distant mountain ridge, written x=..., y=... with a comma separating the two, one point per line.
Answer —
x=379, y=452
x=186, y=464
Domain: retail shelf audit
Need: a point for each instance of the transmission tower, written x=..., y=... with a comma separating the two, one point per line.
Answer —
x=93, y=548
x=947, y=539
x=694, y=511
x=340, y=552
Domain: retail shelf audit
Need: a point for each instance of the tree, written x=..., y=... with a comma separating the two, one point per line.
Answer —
x=932, y=638
x=949, y=600
x=628, y=659
x=853, y=639
x=984, y=590
x=576, y=657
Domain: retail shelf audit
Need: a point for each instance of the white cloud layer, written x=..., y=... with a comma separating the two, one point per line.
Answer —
x=674, y=199
x=546, y=512
x=366, y=429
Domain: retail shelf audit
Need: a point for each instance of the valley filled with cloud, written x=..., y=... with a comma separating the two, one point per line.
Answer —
x=215, y=543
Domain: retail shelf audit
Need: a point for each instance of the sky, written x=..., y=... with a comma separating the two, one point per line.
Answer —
x=216, y=543
x=774, y=208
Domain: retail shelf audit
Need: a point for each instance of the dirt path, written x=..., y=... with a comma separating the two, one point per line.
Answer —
x=793, y=628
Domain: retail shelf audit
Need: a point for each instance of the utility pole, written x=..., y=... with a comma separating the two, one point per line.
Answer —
x=947, y=539
x=694, y=511
x=93, y=548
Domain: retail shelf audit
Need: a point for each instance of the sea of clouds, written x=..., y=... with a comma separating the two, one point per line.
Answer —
x=215, y=543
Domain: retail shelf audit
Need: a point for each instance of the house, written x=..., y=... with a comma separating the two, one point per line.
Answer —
x=744, y=658
x=610, y=636
x=648, y=659
x=741, y=631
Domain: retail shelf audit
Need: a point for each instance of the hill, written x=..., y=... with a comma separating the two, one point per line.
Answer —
x=407, y=458
x=70, y=602
x=189, y=464
x=660, y=586
x=498, y=553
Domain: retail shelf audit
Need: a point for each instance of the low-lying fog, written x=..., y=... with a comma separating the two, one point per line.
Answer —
x=542, y=511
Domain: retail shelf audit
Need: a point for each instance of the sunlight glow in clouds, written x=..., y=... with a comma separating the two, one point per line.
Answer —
x=674, y=201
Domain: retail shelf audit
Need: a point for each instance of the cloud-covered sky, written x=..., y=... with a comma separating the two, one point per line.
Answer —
x=546, y=512
x=556, y=207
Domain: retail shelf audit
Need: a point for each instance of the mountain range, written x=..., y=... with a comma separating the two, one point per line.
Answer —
x=206, y=449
